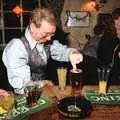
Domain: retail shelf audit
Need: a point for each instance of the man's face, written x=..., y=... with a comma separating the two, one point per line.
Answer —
x=117, y=26
x=44, y=33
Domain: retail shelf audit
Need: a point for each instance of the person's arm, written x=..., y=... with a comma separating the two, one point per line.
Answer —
x=15, y=59
x=61, y=52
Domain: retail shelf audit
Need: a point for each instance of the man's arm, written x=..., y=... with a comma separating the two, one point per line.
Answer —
x=61, y=52
x=15, y=59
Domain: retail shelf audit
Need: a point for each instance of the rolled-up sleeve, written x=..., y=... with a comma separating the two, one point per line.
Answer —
x=60, y=52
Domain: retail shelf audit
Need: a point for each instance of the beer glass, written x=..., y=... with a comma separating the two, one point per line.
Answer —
x=62, y=73
x=32, y=93
x=103, y=75
x=102, y=87
x=7, y=104
x=76, y=80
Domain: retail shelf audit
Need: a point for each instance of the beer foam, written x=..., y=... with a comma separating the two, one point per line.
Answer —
x=76, y=71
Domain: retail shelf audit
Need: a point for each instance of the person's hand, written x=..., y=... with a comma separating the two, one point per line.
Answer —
x=75, y=58
x=48, y=82
x=4, y=93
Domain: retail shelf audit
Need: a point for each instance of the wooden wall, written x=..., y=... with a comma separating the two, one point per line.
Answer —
x=77, y=34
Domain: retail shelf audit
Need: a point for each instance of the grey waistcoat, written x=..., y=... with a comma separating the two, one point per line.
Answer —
x=35, y=61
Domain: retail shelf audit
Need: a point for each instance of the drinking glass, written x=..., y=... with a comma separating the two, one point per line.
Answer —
x=32, y=93
x=62, y=73
x=7, y=104
x=103, y=75
x=76, y=81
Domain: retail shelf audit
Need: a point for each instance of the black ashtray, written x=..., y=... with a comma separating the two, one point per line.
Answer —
x=74, y=107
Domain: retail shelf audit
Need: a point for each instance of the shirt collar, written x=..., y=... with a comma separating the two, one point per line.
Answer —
x=31, y=41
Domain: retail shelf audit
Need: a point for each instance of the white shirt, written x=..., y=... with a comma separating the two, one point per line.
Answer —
x=15, y=58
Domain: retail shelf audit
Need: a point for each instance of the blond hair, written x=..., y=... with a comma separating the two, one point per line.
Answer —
x=39, y=14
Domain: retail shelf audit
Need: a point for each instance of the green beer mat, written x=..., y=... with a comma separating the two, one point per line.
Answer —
x=112, y=97
x=21, y=111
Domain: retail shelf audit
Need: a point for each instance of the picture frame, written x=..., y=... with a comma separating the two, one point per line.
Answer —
x=78, y=18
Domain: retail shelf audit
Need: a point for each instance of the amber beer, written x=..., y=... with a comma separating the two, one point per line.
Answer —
x=76, y=78
x=32, y=96
x=62, y=72
x=7, y=102
x=102, y=87
x=103, y=76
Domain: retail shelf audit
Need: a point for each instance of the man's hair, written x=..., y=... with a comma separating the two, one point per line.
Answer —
x=115, y=16
x=116, y=13
x=39, y=14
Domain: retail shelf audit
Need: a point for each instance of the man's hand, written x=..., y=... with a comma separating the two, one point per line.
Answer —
x=48, y=82
x=75, y=58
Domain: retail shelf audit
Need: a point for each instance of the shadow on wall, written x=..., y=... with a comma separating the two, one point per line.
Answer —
x=61, y=36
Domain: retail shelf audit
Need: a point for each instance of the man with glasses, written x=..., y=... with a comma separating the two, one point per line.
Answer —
x=26, y=58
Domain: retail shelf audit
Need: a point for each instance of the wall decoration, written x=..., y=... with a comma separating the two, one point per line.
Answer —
x=77, y=19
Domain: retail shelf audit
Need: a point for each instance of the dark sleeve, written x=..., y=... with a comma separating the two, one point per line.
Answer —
x=105, y=51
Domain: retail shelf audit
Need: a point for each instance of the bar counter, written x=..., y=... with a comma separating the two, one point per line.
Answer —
x=100, y=111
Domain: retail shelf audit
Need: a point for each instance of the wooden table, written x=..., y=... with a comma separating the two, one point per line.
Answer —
x=105, y=112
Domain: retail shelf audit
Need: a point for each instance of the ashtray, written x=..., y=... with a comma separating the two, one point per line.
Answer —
x=74, y=107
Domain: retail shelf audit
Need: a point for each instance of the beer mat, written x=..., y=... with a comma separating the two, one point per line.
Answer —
x=20, y=112
x=112, y=97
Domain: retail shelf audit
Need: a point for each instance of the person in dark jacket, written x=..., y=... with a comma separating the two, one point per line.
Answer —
x=108, y=52
x=90, y=55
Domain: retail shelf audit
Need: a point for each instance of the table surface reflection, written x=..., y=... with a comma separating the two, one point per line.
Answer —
x=106, y=112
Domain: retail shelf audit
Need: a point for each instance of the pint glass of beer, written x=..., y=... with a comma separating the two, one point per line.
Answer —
x=103, y=75
x=102, y=87
x=76, y=80
x=32, y=93
x=62, y=73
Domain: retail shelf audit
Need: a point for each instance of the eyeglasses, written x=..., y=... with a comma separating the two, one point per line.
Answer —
x=45, y=35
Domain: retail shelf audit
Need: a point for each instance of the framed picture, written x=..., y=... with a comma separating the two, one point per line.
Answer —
x=77, y=19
